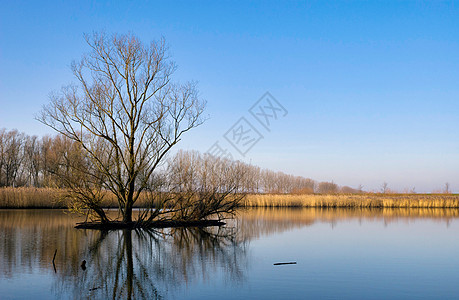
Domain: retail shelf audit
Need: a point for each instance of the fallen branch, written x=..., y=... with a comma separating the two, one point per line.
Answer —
x=54, y=265
x=285, y=263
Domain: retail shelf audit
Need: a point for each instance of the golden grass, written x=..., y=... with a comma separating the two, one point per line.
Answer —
x=24, y=197
x=28, y=197
x=354, y=200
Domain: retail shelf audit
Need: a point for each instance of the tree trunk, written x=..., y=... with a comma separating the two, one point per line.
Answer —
x=130, y=264
x=100, y=212
x=128, y=211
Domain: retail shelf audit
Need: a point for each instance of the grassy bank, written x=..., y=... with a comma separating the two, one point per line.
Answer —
x=24, y=197
x=50, y=198
x=355, y=200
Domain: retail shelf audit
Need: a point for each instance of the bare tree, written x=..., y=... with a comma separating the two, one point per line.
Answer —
x=447, y=189
x=348, y=190
x=200, y=186
x=384, y=187
x=47, y=155
x=11, y=156
x=327, y=187
x=2, y=154
x=124, y=113
x=32, y=159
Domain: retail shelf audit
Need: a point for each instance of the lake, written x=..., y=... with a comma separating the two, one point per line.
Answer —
x=339, y=254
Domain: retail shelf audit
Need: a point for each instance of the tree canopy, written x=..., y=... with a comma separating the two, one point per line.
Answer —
x=123, y=115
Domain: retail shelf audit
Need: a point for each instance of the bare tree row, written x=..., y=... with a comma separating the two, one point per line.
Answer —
x=32, y=161
x=251, y=179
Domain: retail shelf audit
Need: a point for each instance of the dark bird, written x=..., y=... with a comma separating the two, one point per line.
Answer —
x=83, y=265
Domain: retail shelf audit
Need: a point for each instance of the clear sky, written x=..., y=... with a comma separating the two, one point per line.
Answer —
x=371, y=87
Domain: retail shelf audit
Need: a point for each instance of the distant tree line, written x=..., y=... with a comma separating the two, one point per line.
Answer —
x=34, y=162
x=30, y=161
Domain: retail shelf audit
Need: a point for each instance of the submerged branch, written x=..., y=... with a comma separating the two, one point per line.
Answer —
x=115, y=225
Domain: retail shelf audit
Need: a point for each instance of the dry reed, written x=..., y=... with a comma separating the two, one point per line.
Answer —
x=29, y=197
x=25, y=197
x=354, y=200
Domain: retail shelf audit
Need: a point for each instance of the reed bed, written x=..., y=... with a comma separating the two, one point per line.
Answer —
x=29, y=197
x=354, y=200
x=25, y=197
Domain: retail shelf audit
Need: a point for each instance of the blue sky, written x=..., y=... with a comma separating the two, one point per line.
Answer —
x=371, y=87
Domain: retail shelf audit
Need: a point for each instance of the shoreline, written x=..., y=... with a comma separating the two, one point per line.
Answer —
x=47, y=198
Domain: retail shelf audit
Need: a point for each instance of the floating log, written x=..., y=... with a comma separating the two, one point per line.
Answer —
x=285, y=263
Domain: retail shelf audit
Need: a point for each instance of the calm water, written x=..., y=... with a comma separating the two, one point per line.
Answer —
x=340, y=254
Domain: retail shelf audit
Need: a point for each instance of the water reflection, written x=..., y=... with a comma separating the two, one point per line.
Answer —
x=146, y=264
x=255, y=223
x=155, y=264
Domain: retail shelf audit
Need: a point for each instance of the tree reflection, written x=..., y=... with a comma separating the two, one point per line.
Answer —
x=144, y=264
